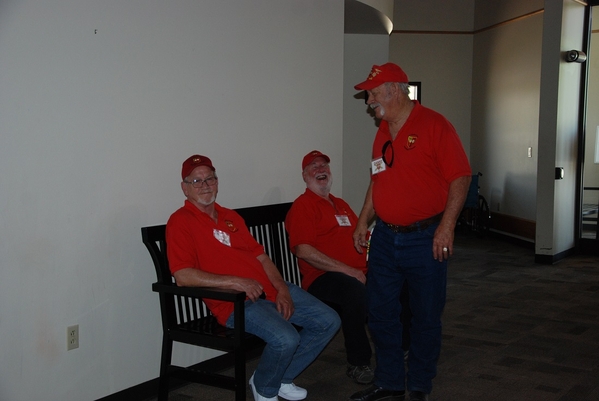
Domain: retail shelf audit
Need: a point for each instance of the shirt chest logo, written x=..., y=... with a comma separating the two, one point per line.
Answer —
x=231, y=226
x=411, y=142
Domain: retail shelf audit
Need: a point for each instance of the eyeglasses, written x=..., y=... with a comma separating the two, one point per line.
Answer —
x=314, y=166
x=199, y=183
x=385, y=147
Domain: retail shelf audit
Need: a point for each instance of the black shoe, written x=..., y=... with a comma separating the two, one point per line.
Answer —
x=376, y=393
x=418, y=396
x=361, y=374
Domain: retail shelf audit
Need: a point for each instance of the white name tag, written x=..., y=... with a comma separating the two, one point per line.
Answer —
x=378, y=166
x=222, y=237
x=343, y=220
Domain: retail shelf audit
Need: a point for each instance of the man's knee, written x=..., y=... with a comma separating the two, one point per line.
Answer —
x=333, y=318
x=285, y=340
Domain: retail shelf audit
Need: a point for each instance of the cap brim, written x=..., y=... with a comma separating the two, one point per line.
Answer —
x=367, y=85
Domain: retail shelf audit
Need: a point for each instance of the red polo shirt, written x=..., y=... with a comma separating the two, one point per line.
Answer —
x=312, y=220
x=226, y=247
x=427, y=156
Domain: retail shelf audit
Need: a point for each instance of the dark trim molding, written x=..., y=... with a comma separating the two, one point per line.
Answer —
x=140, y=392
x=513, y=240
x=515, y=19
x=149, y=389
x=513, y=225
x=551, y=259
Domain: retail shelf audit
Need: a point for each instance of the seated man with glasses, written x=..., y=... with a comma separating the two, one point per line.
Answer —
x=209, y=245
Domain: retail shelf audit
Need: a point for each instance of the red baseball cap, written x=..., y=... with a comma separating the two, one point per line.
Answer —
x=381, y=74
x=193, y=162
x=309, y=158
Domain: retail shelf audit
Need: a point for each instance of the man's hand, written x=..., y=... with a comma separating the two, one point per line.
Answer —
x=443, y=243
x=443, y=239
x=366, y=215
x=355, y=273
x=284, y=303
x=252, y=288
x=360, y=235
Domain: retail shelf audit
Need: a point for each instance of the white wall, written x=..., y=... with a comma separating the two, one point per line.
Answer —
x=558, y=128
x=100, y=102
x=505, y=120
x=441, y=61
x=488, y=13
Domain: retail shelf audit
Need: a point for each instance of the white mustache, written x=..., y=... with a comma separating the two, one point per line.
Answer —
x=375, y=105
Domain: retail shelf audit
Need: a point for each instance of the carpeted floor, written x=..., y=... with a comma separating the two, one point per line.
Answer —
x=513, y=330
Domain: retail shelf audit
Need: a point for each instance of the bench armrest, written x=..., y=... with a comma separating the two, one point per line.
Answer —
x=201, y=292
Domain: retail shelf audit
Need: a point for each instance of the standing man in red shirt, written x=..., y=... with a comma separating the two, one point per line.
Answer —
x=320, y=228
x=210, y=246
x=419, y=180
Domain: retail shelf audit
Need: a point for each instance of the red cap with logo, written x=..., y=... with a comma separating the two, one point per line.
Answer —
x=381, y=74
x=193, y=162
x=309, y=158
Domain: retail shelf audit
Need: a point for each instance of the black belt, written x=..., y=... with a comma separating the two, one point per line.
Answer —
x=419, y=225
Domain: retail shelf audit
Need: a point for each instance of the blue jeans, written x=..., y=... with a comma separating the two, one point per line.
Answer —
x=288, y=352
x=396, y=258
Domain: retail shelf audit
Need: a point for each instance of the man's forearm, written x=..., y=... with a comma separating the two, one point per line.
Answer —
x=318, y=259
x=367, y=213
x=272, y=272
x=191, y=277
x=458, y=190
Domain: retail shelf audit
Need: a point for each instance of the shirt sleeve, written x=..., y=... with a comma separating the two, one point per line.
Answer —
x=450, y=153
x=180, y=249
x=300, y=224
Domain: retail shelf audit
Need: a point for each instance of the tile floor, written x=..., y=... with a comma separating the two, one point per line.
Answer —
x=513, y=330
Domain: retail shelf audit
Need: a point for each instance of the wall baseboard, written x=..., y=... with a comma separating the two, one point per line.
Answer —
x=525, y=230
x=149, y=389
x=139, y=392
x=512, y=225
x=551, y=259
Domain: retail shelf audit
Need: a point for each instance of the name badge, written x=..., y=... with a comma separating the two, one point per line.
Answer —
x=343, y=220
x=378, y=166
x=222, y=237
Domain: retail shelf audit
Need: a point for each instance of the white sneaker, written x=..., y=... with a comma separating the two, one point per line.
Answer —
x=258, y=397
x=292, y=392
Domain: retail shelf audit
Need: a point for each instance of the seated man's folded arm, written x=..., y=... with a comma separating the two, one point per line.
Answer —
x=190, y=277
x=323, y=262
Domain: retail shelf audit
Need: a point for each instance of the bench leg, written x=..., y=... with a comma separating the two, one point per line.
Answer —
x=240, y=375
x=165, y=361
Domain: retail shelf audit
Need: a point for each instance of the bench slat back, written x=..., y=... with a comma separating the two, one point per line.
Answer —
x=176, y=309
x=267, y=225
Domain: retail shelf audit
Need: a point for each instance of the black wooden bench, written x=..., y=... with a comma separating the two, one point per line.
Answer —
x=186, y=319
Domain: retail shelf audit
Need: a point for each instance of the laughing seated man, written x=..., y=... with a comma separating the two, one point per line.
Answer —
x=320, y=228
x=209, y=245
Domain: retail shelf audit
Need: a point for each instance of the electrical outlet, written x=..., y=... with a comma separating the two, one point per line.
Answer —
x=72, y=337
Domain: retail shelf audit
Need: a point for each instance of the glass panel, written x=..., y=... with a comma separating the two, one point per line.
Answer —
x=590, y=195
